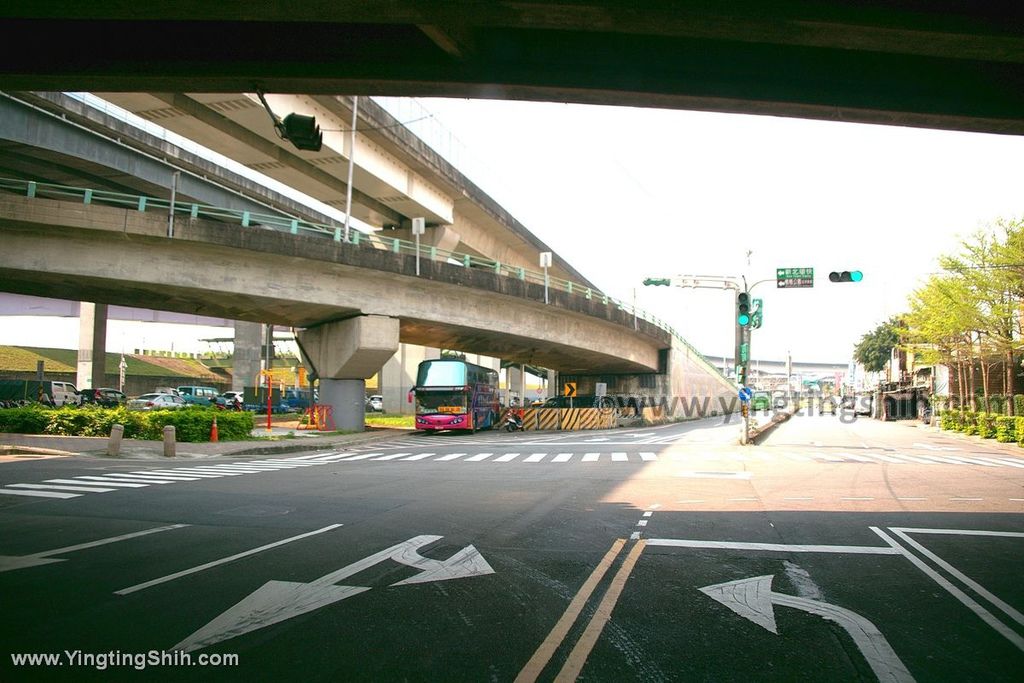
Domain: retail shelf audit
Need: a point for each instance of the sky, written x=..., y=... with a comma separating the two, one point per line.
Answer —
x=624, y=193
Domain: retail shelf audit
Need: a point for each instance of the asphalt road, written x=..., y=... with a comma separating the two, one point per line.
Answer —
x=835, y=550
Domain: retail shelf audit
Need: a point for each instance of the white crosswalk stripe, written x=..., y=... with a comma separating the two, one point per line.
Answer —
x=591, y=457
x=536, y=457
x=61, y=487
x=418, y=456
x=563, y=457
x=620, y=457
x=450, y=456
x=508, y=457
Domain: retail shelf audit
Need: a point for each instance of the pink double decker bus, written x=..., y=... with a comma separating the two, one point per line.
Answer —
x=454, y=394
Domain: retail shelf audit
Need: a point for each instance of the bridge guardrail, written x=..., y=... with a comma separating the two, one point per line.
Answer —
x=248, y=219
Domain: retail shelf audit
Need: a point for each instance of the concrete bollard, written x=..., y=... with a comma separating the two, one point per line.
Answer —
x=169, y=441
x=114, y=445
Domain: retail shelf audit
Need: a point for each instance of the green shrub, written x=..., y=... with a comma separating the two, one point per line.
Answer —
x=27, y=420
x=986, y=425
x=969, y=423
x=1018, y=429
x=70, y=421
x=194, y=424
x=1006, y=429
x=997, y=404
x=1018, y=404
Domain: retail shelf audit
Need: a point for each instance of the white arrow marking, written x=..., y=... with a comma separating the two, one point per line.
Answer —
x=753, y=599
x=9, y=562
x=277, y=601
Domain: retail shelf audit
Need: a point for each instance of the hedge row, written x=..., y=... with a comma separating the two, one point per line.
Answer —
x=986, y=425
x=191, y=424
x=996, y=404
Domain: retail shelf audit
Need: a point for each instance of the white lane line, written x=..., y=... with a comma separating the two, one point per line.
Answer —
x=911, y=499
x=105, y=541
x=966, y=500
x=857, y=498
x=79, y=482
x=201, y=475
x=61, y=487
x=969, y=603
x=479, y=456
x=774, y=547
x=915, y=459
x=635, y=536
x=691, y=501
x=591, y=457
x=648, y=455
x=938, y=459
x=176, y=477
x=507, y=457
x=450, y=456
x=39, y=494
x=971, y=461
x=1003, y=462
x=136, y=478
x=742, y=500
x=1015, y=462
x=364, y=456
x=225, y=560
x=237, y=468
x=854, y=456
x=563, y=457
x=418, y=456
x=967, y=581
x=112, y=481
x=536, y=457
x=888, y=458
x=209, y=472
x=620, y=457
x=798, y=458
x=393, y=456
x=961, y=532
x=642, y=522
x=648, y=513
x=799, y=498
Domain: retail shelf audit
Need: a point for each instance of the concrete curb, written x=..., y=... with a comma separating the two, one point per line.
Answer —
x=776, y=420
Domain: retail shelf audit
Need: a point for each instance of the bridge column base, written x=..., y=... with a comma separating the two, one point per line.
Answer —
x=92, y=346
x=347, y=398
x=344, y=355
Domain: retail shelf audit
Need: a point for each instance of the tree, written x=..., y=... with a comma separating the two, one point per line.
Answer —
x=874, y=349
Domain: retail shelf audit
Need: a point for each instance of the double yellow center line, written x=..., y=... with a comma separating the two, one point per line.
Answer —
x=578, y=657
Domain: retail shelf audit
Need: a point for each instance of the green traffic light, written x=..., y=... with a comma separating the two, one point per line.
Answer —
x=856, y=276
x=743, y=319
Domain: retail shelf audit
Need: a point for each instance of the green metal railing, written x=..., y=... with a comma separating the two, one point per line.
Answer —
x=248, y=220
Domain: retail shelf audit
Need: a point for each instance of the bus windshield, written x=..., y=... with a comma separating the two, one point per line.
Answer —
x=441, y=373
x=445, y=402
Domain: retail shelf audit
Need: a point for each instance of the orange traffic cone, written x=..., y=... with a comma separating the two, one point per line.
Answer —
x=214, y=437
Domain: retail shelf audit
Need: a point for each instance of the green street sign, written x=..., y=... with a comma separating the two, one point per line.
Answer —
x=744, y=352
x=789, y=278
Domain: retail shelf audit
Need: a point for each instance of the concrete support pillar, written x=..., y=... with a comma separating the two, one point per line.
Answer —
x=92, y=345
x=344, y=355
x=347, y=398
x=553, y=388
x=247, y=354
x=444, y=238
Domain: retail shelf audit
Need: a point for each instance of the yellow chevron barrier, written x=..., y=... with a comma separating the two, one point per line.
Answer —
x=565, y=419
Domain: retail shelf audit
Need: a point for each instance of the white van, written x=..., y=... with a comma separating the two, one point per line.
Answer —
x=64, y=393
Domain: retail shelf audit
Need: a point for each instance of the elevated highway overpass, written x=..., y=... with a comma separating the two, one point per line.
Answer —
x=930, y=63
x=354, y=302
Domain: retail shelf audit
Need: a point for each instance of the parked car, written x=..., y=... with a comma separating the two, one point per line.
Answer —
x=200, y=396
x=64, y=393
x=375, y=403
x=156, y=402
x=108, y=398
